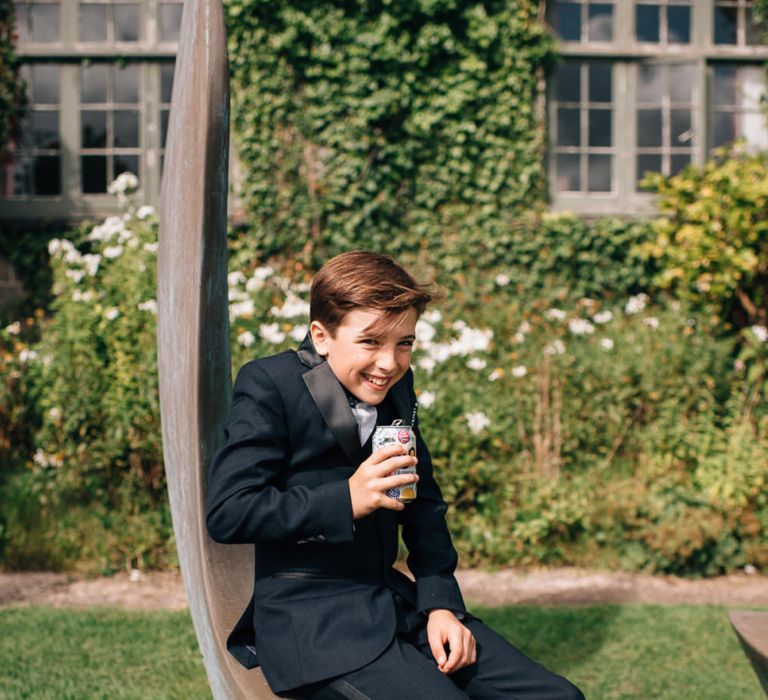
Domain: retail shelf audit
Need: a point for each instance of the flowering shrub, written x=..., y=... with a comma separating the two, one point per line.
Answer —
x=619, y=431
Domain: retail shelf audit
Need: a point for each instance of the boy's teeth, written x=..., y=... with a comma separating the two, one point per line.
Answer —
x=374, y=380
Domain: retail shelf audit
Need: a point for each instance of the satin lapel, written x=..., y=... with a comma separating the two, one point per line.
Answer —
x=401, y=401
x=332, y=403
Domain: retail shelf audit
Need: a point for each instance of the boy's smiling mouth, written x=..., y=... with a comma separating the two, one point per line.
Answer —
x=378, y=382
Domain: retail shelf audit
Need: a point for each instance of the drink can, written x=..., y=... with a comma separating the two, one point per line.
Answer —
x=403, y=435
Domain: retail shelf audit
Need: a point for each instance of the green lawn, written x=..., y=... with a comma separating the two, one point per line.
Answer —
x=640, y=652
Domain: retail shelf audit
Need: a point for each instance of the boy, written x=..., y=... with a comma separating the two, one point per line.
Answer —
x=330, y=617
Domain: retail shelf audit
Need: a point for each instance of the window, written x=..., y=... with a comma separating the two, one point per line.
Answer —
x=98, y=75
x=648, y=85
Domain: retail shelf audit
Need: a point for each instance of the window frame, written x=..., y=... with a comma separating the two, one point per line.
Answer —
x=626, y=53
x=70, y=54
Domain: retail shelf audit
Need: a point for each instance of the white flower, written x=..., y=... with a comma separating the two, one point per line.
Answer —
x=424, y=332
x=470, y=340
x=54, y=246
x=426, y=399
x=112, y=226
x=555, y=348
x=580, y=326
x=91, y=262
x=606, y=343
x=439, y=352
x=555, y=314
x=14, y=328
x=75, y=275
x=112, y=313
x=86, y=296
x=145, y=212
x=426, y=363
x=432, y=316
x=603, y=317
x=476, y=363
x=148, y=305
x=651, y=322
x=26, y=355
x=40, y=458
x=519, y=371
x=524, y=328
x=125, y=182
x=739, y=365
x=496, y=375
x=114, y=251
x=502, y=280
x=636, y=303
x=151, y=247
x=234, y=278
x=292, y=307
x=519, y=337
x=235, y=294
x=246, y=339
x=459, y=325
x=477, y=421
x=133, y=243
x=760, y=332
x=262, y=273
x=271, y=333
x=299, y=332
x=54, y=413
x=241, y=309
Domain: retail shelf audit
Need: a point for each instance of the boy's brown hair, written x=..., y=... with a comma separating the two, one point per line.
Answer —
x=364, y=279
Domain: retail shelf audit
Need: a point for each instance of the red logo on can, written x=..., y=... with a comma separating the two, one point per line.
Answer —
x=404, y=436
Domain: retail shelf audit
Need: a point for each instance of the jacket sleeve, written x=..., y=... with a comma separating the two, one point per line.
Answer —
x=432, y=558
x=244, y=503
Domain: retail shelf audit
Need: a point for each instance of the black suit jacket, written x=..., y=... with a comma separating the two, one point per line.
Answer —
x=322, y=601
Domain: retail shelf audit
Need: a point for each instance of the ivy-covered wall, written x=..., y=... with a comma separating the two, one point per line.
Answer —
x=393, y=124
x=10, y=83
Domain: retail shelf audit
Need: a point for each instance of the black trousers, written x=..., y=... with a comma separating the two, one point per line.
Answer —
x=406, y=670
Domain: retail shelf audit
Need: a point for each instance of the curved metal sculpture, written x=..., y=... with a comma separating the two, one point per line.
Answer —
x=193, y=339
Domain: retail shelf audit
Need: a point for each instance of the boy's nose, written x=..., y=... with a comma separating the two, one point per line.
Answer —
x=386, y=360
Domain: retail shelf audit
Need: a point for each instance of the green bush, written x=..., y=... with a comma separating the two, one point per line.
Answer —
x=396, y=126
x=11, y=85
x=712, y=236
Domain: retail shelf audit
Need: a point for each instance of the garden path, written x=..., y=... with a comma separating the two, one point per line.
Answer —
x=561, y=586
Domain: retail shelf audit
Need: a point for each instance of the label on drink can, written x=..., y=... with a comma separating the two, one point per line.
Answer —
x=403, y=435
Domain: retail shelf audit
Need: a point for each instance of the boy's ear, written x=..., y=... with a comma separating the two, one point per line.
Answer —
x=320, y=337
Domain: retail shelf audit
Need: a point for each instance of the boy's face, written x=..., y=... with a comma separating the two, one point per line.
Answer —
x=367, y=364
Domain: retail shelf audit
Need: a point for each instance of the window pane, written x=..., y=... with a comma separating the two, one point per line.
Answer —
x=163, y=126
x=94, y=174
x=93, y=128
x=93, y=23
x=649, y=83
x=568, y=82
x=94, y=84
x=679, y=24
x=752, y=93
x=599, y=82
x=567, y=177
x=166, y=82
x=648, y=163
x=755, y=32
x=47, y=175
x=647, y=23
x=568, y=126
x=126, y=128
x=127, y=18
x=681, y=127
x=678, y=162
x=45, y=84
x=600, y=22
x=600, y=127
x=753, y=129
x=723, y=128
x=567, y=21
x=724, y=85
x=45, y=129
x=599, y=173
x=45, y=22
x=23, y=24
x=725, y=20
x=127, y=84
x=681, y=78
x=170, y=22
x=649, y=127
x=127, y=164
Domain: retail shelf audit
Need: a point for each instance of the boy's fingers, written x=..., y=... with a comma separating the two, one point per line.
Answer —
x=385, y=468
x=386, y=452
x=437, y=648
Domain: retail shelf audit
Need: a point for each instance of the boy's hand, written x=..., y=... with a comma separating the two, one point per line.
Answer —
x=444, y=627
x=369, y=484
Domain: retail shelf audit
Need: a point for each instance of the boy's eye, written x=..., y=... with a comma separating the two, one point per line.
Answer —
x=407, y=343
x=369, y=341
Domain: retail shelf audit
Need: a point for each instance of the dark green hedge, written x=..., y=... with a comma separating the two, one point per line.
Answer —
x=394, y=125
